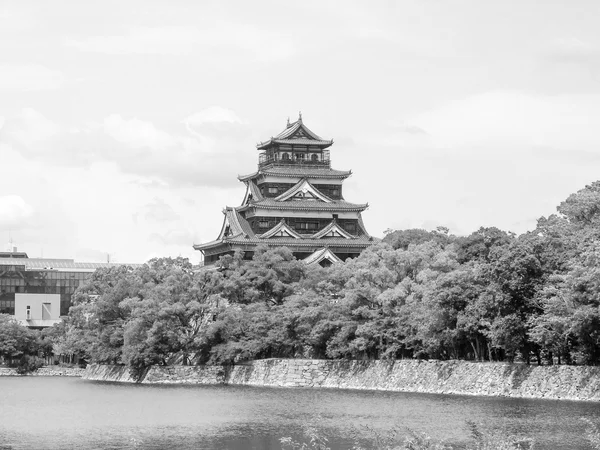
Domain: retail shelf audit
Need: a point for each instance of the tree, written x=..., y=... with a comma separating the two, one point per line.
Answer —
x=583, y=207
x=19, y=345
x=270, y=276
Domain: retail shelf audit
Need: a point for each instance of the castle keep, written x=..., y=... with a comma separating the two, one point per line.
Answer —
x=294, y=199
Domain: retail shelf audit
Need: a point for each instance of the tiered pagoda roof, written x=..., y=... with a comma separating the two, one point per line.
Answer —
x=237, y=230
x=296, y=134
x=295, y=172
x=285, y=204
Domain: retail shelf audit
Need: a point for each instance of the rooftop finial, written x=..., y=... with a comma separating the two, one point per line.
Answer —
x=288, y=123
x=299, y=116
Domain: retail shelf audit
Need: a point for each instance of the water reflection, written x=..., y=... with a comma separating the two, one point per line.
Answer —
x=57, y=413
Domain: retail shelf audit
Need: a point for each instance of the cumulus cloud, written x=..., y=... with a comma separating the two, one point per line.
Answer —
x=14, y=211
x=207, y=154
x=511, y=120
x=186, y=40
x=410, y=129
x=573, y=50
x=29, y=77
x=213, y=114
x=17, y=17
x=180, y=237
x=160, y=212
x=92, y=255
x=29, y=128
x=137, y=133
x=215, y=121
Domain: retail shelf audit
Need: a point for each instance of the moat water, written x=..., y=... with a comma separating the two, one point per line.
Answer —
x=70, y=413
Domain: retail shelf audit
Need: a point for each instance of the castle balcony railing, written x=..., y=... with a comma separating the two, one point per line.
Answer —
x=264, y=160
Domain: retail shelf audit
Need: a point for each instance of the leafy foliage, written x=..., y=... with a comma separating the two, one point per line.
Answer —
x=489, y=296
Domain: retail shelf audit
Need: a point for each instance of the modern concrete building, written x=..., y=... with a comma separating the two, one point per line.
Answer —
x=37, y=291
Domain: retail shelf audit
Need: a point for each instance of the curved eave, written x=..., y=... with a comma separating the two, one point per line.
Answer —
x=273, y=142
x=296, y=172
x=245, y=178
x=209, y=245
x=316, y=206
x=291, y=242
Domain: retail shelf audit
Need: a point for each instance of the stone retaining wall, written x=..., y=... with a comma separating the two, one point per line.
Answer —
x=97, y=372
x=185, y=375
x=49, y=371
x=441, y=377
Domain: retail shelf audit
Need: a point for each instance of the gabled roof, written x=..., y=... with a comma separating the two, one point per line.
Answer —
x=237, y=231
x=297, y=172
x=280, y=230
x=320, y=255
x=296, y=133
x=234, y=227
x=333, y=230
x=252, y=193
x=303, y=189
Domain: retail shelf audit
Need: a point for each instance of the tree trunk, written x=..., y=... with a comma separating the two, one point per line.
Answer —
x=474, y=350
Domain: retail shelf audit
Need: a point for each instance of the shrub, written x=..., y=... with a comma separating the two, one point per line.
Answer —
x=28, y=364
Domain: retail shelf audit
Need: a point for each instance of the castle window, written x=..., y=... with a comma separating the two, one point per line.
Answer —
x=285, y=157
x=263, y=224
x=307, y=225
x=273, y=190
x=314, y=157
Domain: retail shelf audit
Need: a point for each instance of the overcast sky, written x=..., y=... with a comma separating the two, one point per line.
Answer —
x=124, y=124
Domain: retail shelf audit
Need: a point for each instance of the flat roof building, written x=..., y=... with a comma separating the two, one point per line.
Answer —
x=37, y=291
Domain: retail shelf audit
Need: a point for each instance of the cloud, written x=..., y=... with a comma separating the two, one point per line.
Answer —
x=29, y=77
x=14, y=211
x=215, y=120
x=180, y=237
x=92, y=255
x=30, y=128
x=207, y=155
x=160, y=212
x=511, y=121
x=142, y=40
x=410, y=129
x=137, y=133
x=186, y=40
x=573, y=50
x=16, y=18
x=213, y=114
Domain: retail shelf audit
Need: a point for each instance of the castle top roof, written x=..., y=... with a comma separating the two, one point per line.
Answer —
x=296, y=134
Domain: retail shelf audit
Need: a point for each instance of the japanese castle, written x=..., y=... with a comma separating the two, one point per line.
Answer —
x=295, y=200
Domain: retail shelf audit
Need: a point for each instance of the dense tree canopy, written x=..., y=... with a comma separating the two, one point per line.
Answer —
x=416, y=294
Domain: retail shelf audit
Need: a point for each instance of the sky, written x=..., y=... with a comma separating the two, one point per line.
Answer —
x=124, y=124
